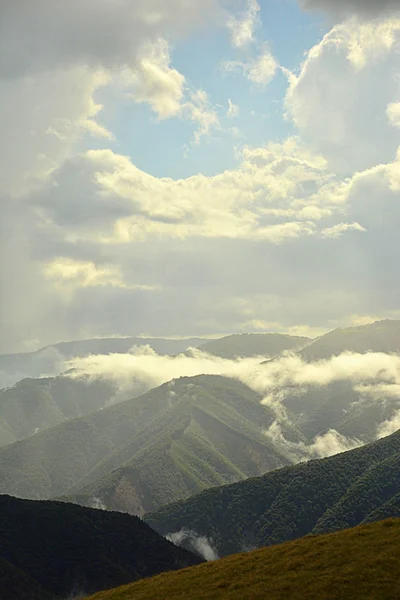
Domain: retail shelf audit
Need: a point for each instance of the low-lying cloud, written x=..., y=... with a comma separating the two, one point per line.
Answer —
x=191, y=540
x=374, y=376
x=327, y=444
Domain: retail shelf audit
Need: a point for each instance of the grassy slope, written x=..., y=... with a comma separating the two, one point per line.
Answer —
x=381, y=336
x=65, y=547
x=356, y=564
x=315, y=497
x=253, y=344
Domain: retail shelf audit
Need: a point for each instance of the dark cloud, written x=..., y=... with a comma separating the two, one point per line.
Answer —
x=42, y=35
x=340, y=8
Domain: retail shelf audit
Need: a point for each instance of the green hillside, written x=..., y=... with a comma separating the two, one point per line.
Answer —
x=34, y=405
x=381, y=336
x=319, y=496
x=356, y=564
x=71, y=550
x=253, y=344
x=167, y=444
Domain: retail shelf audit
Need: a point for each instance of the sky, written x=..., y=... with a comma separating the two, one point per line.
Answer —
x=197, y=167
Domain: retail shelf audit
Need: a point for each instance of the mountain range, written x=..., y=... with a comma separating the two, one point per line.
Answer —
x=315, y=497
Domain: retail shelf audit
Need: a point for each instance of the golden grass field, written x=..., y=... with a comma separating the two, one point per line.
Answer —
x=361, y=564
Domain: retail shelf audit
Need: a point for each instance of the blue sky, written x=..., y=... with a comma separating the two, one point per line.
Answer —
x=165, y=148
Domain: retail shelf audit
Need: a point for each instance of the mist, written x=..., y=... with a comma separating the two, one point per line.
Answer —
x=192, y=541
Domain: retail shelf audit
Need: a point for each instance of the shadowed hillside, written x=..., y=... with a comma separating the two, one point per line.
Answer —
x=355, y=564
x=319, y=496
x=69, y=549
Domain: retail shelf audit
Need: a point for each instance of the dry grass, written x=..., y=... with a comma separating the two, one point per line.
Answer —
x=361, y=563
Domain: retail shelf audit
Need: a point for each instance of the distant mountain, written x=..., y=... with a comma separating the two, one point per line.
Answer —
x=356, y=564
x=169, y=443
x=253, y=344
x=316, y=497
x=381, y=336
x=32, y=405
x=71, y=550
x=49, y=360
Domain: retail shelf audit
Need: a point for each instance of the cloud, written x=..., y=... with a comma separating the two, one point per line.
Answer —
x=153, y=370
x=262, y=70
x=155, y=82
x=233, y=110
x=327, y=444
x=342, y=8
x=47, y=35
x=341, y=228
x=390, y=426
x=199, y=544
x=242, y=27
x=259, y=69
x=339, y=101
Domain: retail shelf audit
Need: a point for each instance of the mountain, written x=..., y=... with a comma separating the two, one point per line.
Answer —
x=253, y=344
x=357, y=564
x=70, y=550
x=32, y=405
x=316, y=497
x=182, y=437
x=50, y=359
x=14, y=584
x=381, y=336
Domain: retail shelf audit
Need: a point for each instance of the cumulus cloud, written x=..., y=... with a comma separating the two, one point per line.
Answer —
x=243, y=26
x=337, y=103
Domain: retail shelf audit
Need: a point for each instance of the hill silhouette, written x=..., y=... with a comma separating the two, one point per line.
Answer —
x=69, y=549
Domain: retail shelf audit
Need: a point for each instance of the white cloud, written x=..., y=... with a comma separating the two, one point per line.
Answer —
x=327, y=444
x=242, y=27
x=340, y=99
x=337, y=230
x=390, y=426
x=263, y=69
x=156, y=83
x=200, y=544
x=233, y=109
x=259, y=69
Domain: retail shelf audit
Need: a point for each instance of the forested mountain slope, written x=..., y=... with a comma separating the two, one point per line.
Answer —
x=169, y=443
x=319, y=496
x=70, y=550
